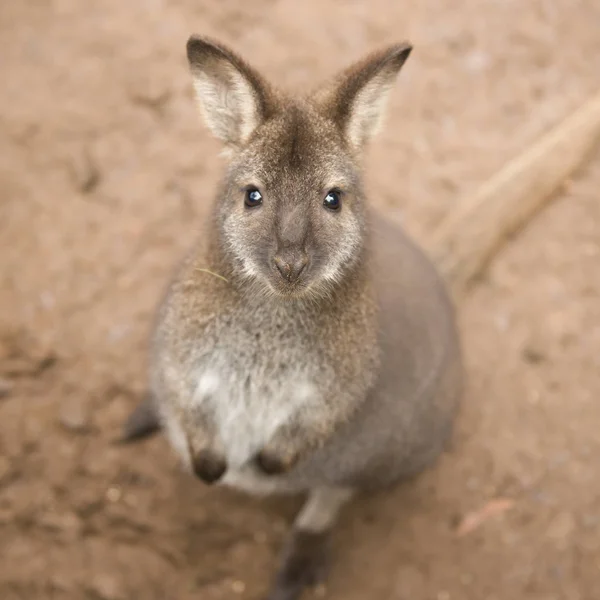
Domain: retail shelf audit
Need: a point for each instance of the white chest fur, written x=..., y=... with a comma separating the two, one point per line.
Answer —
x=247, y=411
x=249, y=376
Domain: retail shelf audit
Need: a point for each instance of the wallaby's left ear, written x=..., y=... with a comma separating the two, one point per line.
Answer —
x=357, y=100
x=234, y=98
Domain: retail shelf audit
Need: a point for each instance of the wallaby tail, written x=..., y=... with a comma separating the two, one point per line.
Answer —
x=476, y=227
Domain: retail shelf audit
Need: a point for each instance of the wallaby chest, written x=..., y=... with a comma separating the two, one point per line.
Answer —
x=255, y=372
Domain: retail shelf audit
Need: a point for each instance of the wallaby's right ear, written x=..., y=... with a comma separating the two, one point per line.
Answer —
x=233, y=97
x=356, y=101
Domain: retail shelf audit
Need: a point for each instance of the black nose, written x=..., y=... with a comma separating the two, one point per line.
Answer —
x=291, y=264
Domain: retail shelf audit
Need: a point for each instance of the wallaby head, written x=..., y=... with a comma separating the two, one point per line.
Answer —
x=291, y=218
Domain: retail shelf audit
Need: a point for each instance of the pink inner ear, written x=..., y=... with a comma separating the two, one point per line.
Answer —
x=356, y=101
x=233, y=97
x=228, y=102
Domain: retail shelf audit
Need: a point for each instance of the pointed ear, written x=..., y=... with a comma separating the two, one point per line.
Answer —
x=233, y=97
x=357, y=100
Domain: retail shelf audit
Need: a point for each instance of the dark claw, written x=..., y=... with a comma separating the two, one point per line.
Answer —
x=141, y=423
x=208, y=466
x=305, y=562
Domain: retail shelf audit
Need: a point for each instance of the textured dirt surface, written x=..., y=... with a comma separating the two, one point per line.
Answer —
x=105, y=172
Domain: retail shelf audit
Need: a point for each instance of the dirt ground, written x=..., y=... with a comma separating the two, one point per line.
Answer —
x=105, y=172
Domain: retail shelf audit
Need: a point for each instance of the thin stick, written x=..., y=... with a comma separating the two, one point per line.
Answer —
x=468, y=237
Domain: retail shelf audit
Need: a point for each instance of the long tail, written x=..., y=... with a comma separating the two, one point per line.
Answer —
x=477, y=226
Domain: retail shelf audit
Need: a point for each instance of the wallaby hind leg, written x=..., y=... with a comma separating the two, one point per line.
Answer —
x=142, y=422
x=306, y=555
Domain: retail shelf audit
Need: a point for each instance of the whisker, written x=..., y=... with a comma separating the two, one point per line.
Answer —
x=212, y=273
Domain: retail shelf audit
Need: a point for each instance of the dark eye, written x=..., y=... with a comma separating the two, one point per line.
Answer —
x=253, y=198
x=333, y=200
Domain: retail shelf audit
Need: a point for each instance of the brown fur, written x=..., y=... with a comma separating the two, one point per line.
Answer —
x=343, y=377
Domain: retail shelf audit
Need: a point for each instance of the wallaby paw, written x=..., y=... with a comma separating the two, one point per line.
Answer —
x=209, y=466
x=305, y=562
x=273, y=463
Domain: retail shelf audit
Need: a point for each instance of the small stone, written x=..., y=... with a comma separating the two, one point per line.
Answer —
x=238, y=587
x=113, y=494
x=477, y=61
x=74, y=416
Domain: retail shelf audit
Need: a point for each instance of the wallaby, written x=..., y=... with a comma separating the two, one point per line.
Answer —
x=305, y=344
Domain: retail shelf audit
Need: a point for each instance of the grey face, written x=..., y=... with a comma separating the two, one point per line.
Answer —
x=292, y=216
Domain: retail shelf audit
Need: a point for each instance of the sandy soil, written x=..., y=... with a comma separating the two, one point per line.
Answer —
x=105, y=172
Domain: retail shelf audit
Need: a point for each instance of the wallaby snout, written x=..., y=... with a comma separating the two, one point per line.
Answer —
x=293, y=245
x=291, y=262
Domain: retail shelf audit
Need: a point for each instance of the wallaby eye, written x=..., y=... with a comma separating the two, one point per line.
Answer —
x=253, y=198
x=333, y=200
